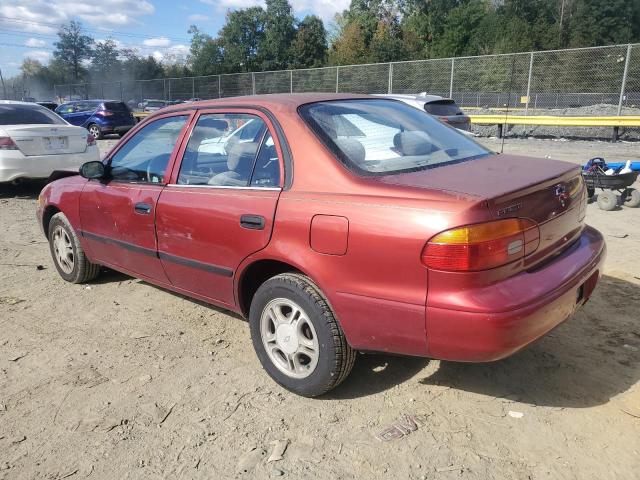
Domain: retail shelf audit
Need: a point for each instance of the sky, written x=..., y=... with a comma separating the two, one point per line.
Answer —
x=154, y=27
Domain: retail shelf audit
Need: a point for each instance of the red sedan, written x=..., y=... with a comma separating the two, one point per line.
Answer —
x=335, y=224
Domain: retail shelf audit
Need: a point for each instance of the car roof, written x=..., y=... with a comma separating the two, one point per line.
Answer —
x=274, y=102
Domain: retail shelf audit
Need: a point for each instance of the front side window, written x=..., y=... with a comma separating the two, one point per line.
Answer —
x=144, y=158
x=385, y=136
x=28, y=114
x=230, y=150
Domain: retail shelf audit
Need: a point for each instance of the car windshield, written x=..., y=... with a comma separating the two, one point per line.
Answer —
x=155, y=103
x=20, y=114
x=385, y=136
x=443, y=108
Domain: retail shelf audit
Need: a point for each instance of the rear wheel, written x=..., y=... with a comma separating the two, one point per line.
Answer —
x=95, y=131
x=68, y=255
x=607, y=200
x=297, y=337
x=633, y=198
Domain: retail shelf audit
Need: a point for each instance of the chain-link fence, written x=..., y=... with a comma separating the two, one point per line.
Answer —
x=587, y=81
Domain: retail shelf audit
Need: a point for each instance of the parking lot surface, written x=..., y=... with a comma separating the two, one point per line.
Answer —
x=121, y=379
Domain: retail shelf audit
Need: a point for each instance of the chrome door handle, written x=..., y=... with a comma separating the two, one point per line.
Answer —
x=142, y=208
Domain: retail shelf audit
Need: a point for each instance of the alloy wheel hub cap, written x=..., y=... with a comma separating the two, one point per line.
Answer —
x=287, y=338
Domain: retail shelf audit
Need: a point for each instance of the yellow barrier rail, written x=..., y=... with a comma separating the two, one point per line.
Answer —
x=614, y=121
x=556, y=121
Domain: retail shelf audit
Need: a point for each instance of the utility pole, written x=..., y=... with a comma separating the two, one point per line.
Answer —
x=560, y=28
x=4, y=88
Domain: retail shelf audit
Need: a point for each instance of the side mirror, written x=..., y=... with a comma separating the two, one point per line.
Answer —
x=92, y=170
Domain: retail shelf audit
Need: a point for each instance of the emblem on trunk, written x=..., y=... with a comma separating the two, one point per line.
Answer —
x=560, y=191
x=509, y=209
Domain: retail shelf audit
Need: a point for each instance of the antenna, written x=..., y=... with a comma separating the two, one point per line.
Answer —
x=506, y=113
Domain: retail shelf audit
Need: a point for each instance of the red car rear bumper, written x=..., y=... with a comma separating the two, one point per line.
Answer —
x=482, y=336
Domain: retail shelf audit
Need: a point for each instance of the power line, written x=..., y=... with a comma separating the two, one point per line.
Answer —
x=115, y=32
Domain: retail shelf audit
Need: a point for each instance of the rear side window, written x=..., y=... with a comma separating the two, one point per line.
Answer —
x=379, y=137
x=443, y=108
x=116, y=107
x=28, y=115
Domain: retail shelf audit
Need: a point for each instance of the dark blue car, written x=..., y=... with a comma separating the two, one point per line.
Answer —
x=100, y=117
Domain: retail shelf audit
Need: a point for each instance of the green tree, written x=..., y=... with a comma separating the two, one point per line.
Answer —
x=105, y=60
x=603, y=22
x=386, y=44
x=205, y=56
x=73, y=48
x=240, y=39
x=350, y=47
x=309, y=46
x=279, y=31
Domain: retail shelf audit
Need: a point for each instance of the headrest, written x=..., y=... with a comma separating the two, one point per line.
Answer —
x=413, y=143
x=352, y=148
x=209, y=128
x=240, y=153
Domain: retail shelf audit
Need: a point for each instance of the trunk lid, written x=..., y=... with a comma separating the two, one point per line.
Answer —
x=550, y=192
x=47, y=139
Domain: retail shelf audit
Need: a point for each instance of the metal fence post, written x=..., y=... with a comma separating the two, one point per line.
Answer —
x=337, y=78
x=624, y=79
x=390, y=88
x=219, y=89
x=290, y=81
x=193, y=87
x=253, y=83
x=453, y=64
x=164, y=88
x=526, y=107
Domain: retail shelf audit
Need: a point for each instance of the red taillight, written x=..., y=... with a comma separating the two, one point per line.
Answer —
x=7, y=144
x=104, y=113
x=444, y=119
x=482, y=246
x=90, y=140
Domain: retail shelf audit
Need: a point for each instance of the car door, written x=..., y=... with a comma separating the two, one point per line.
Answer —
x=219, y=207
x=118, y=214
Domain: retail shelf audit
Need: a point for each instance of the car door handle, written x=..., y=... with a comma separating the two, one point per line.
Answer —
x=252, y=222
x=142, y=208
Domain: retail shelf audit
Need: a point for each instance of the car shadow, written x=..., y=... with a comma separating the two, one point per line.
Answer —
x=27, y=189
x=375, y=373
x=591, y=358
x=107, y=275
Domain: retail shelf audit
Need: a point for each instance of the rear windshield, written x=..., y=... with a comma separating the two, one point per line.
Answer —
x=28, y=115
x=155, y=103
x=116, y=107
x=386, y=136
x=443, y=108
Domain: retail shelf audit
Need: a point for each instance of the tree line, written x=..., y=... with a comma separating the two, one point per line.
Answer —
x=272, y=38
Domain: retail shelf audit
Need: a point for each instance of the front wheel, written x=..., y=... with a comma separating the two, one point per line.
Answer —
x=68, y=255
x=297, y=337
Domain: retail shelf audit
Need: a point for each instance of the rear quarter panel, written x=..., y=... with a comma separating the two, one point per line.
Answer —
x=378, y=287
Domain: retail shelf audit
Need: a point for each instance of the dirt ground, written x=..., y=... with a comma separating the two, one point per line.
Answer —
x=120, y=379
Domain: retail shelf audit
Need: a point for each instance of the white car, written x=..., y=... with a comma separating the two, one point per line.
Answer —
x=445, y=109
x=34, y=141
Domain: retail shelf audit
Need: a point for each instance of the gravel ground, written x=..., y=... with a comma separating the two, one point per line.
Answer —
x=120, y=379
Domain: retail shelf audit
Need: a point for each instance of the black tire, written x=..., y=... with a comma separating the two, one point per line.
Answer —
x=94, y=130
x=335, y=358
x=607, y=200
x=633, y=198
x=82, y=270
